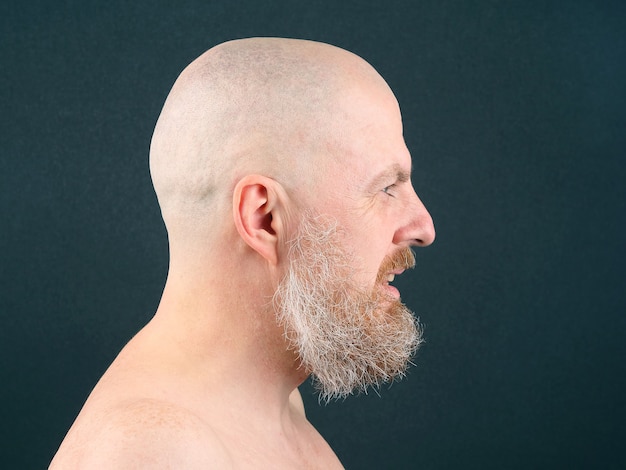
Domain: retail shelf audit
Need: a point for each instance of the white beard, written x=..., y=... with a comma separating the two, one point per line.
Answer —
x=347, y=337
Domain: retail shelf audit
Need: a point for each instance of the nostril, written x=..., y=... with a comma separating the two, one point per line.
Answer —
x=426, y=234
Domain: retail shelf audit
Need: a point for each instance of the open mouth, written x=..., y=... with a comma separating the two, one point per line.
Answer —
x=390, y=289
x=392, y=267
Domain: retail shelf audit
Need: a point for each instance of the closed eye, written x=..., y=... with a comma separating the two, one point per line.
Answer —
x=388, y=190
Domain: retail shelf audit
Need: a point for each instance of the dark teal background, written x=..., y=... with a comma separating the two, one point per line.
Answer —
x=515, y=114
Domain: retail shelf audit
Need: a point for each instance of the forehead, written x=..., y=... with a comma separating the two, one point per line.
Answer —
x=369, y=144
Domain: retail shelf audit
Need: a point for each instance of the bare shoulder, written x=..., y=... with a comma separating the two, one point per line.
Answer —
x=143, y=433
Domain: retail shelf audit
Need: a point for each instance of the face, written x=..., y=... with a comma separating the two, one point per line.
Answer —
x=366, y=184
x=339, y=311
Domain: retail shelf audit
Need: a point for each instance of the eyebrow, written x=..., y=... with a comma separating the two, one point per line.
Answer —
x=401, y=175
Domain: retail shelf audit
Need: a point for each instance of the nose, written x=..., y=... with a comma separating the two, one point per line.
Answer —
x=417, y=228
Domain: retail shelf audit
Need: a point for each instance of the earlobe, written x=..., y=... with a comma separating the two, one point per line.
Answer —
x=256, y=204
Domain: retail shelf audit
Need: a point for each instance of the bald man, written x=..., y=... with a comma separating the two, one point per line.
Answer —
x=284, y=183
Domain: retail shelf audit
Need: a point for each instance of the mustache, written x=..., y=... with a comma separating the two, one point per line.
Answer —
x=401, y=259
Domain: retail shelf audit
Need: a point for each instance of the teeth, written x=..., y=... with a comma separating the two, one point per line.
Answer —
x=391, y=277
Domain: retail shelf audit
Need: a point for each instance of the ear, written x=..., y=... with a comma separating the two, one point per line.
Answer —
x=257, y=206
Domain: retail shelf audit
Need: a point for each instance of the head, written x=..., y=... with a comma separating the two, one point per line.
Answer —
x=260, y=106
x=290, y=153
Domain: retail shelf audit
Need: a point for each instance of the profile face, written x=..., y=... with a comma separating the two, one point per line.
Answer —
x=338, y=307
x=367, y=187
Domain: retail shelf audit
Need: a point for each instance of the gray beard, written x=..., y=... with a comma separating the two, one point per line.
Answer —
x=349, y=339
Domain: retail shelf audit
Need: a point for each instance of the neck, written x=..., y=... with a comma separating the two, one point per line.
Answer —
x=214, y=329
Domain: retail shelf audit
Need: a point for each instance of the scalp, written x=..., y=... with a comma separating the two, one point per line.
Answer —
x=260, y=105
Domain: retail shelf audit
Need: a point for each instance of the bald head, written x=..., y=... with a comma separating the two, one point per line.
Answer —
x=261, y=105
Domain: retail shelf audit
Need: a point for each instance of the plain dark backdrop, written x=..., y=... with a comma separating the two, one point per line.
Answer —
x=515, y=115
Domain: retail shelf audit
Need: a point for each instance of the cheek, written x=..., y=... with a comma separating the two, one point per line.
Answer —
x=372, y=246
x=369, y=238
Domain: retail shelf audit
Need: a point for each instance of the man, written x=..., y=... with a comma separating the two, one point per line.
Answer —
x=284, y=184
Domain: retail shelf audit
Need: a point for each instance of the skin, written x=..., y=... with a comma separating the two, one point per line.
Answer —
x=242, y=148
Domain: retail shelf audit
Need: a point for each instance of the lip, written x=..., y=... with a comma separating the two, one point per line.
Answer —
x=392, y=291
